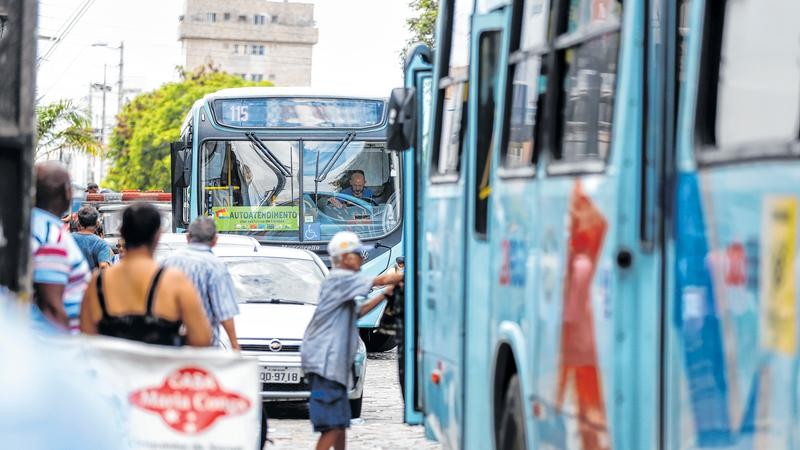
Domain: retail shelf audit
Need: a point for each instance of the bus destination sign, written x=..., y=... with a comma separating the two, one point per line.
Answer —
x=285, y=112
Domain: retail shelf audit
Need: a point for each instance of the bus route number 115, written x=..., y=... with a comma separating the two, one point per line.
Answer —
x=239, y=113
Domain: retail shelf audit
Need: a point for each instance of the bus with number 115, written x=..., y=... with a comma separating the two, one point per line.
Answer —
x=291, y=167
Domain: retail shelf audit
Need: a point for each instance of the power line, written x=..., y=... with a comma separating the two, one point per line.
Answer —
x=66, y=29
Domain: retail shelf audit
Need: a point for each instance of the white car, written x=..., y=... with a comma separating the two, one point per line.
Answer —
x=277, y=290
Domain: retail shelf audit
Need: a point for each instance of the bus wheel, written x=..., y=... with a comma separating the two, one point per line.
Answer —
x=510, y=430
x=377, y=341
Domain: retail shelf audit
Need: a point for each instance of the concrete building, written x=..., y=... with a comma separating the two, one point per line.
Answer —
x=255, y=39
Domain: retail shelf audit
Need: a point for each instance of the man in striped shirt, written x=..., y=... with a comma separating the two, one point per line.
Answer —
x=210, y=276
x=60, y=272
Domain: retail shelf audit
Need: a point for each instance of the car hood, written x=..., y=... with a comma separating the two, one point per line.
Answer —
x=272, y=321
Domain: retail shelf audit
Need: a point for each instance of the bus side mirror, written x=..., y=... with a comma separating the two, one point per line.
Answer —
x=402, y=127
x=181, y=165
x=181, y=178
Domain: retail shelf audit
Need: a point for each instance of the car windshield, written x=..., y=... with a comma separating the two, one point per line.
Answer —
x=253, y=187
x=265, y=279
x=112, y=220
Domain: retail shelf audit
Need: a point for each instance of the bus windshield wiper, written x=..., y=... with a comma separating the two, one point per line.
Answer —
x=329, y=165
x=259, y=144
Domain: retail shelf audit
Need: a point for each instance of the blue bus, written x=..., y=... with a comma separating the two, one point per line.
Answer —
x=605, y=255
x=291, y=167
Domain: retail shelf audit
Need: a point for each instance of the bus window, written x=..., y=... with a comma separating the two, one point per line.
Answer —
x=453, y=88
x=453, y=129
x=360, y=192
x=589, y=67
x=487, y=99
x=526, y=88
x=238, y=179
x=459, y=43
x=758, y=88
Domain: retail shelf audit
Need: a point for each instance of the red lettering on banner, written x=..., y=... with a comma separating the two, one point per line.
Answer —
x=190, y=400
x=579, y=362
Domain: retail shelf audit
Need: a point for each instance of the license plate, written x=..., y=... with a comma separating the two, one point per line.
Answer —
x=287, y=375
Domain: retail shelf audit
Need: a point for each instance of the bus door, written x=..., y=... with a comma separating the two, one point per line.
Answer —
x=733, y=367
x=442, y=263
x=488, y=47
x=598, y=293
x=410, y=110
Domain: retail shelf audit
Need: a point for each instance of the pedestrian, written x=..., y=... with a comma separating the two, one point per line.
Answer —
x=95, y=249
x=210, y=276
x=119, y=251
x=331, y=339
x=139, y=300
x=399, y=265
x=60, y=271
x=92, y=188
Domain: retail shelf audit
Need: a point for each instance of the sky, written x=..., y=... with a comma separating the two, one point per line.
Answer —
x=358, y=48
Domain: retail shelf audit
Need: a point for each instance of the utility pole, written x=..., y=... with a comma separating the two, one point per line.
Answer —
x=105, y=88
x=120, y=89
x=103, y=117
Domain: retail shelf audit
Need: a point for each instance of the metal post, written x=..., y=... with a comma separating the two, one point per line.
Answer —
x=102, y=123
x=17, y=138
x=120, y=86
x=103, y=118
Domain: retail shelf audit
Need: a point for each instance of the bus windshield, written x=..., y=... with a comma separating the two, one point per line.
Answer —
x=300, y=190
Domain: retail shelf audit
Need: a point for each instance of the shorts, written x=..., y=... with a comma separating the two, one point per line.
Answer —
x=328, y=407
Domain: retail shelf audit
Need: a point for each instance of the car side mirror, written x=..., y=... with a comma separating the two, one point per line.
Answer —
x=402, y=126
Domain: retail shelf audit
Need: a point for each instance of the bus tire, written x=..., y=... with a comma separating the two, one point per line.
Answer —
x=355, y=406
x=510, y=431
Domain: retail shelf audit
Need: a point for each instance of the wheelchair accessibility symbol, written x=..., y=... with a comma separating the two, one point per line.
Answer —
x=311, y=231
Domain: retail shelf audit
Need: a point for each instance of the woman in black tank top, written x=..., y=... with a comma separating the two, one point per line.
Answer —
x=145, y=327
x=169, y=300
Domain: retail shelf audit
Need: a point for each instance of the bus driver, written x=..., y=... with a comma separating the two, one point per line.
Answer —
x=357, y=188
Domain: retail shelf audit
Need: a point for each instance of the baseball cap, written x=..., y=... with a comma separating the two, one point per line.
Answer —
x=345, y=242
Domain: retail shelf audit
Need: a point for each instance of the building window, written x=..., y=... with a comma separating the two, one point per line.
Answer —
x=235, y=48
x=259, y=19
x=242, y=18
x=212, y=17
x=242, y=75
x=254, y=50
x=227, y=16
x=261, y=50
x=271, y=76
x=256, y=77
x=274, y=19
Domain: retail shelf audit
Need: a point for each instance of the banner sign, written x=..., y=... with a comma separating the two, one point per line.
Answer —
x=257, y=218
x=187, y=398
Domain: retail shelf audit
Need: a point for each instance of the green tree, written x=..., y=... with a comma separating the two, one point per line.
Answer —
x=422, y=24
x=139, y=146
x=60, y=126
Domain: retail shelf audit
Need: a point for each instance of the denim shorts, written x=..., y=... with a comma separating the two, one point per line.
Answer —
x=328, y=407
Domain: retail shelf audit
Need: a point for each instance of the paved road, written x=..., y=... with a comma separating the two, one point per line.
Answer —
x=381, y=425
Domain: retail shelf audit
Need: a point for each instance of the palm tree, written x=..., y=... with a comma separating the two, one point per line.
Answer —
x=61, y=126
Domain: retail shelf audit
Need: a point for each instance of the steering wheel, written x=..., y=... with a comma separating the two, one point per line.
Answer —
x=366, y=203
